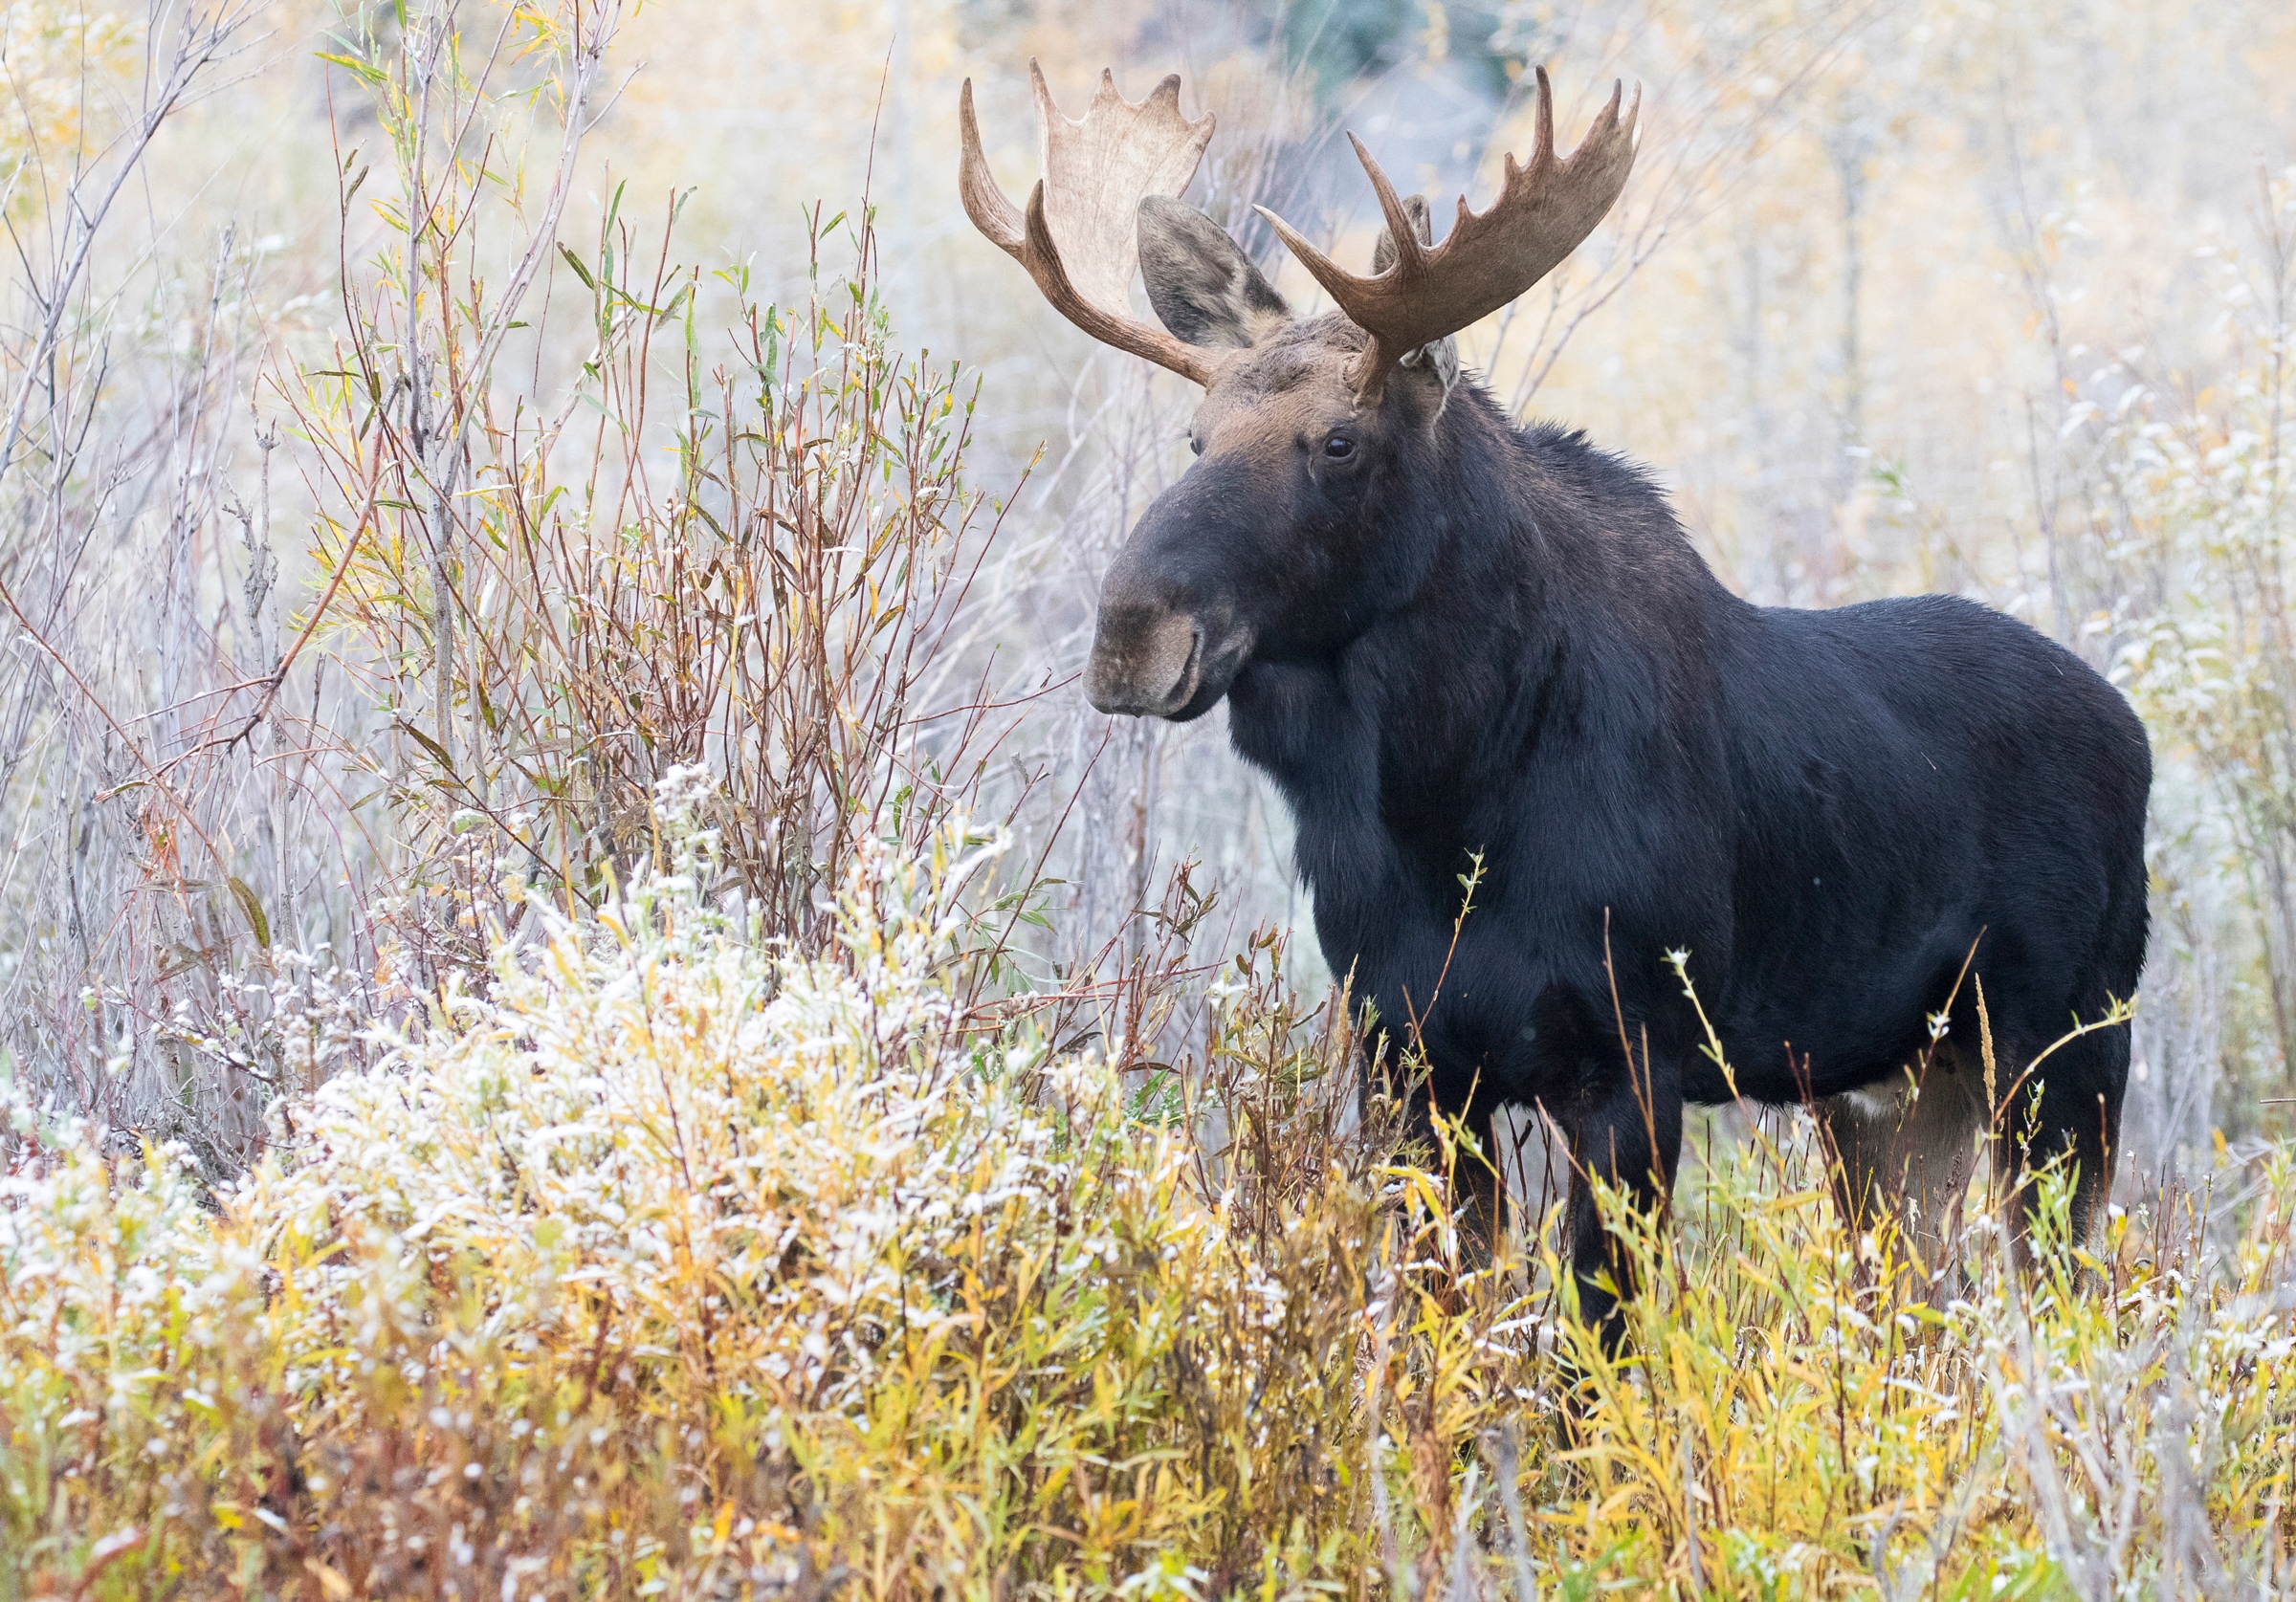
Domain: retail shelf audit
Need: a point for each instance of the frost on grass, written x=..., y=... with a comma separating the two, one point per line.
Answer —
x=663, y=1193
x=653, y=1126
x=677, y=1265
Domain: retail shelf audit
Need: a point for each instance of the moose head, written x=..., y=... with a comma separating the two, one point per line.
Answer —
x=1274, y=543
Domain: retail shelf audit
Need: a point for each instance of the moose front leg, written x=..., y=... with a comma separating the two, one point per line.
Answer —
x=1628, y=1135
x=1479, y=1186
x=1478, y=1194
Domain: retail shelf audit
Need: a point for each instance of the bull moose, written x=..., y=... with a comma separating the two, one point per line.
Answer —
x=1451, y=640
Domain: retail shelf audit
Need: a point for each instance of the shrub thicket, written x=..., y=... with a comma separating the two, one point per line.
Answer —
x=676, y=1264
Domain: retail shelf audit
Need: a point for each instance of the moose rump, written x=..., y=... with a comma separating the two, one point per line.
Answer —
x=1897, y=846
x=1939, y=855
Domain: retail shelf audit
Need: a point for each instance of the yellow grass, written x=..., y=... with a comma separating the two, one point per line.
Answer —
x=673, y=1269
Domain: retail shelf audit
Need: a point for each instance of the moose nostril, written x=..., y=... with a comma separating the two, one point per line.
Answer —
x=1184, y=683
x=1164, y=669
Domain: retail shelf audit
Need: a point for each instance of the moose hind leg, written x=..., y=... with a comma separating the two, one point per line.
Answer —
x=2067, y=1109
x=1479, y=1186
x=1904, y=1150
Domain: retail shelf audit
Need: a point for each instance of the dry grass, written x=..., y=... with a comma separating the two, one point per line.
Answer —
x=677, y=1266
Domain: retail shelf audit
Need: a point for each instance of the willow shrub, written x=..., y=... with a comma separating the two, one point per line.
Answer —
x=674, y=1268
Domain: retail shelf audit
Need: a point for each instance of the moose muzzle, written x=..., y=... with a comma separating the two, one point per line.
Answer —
x=1170, y=635
x=1147, y=661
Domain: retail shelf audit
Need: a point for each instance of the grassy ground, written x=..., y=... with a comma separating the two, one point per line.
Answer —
x=673, y=1268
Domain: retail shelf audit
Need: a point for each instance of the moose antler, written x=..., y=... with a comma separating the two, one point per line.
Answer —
x=1543, y=210
x=1081, y=238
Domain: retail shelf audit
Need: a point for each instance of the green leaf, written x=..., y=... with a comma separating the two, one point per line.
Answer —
x=427, y=743
x=254, y=909
x=366, y=72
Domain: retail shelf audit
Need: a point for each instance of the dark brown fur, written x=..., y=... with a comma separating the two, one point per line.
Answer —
x=1450, y=640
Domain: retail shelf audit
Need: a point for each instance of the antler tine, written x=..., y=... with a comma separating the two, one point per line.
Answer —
x=983, y=198
x=1336, y=280
x=1542, y=146
x=1410, y=255
x=1545, y=208
x=1078, y=238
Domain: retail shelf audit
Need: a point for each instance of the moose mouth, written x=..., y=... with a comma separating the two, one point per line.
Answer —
x=1152, y=662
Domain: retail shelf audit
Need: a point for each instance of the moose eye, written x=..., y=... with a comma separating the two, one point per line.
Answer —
x=1195, y=444
x=1339, y=447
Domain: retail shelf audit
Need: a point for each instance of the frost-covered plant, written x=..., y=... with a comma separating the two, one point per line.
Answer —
x=679, y=1262
x=816, y=1264
x=122, y=1308
x=2195, y=505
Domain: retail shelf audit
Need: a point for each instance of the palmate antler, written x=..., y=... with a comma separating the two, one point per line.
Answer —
x=1545, y=208
x=1080, y=237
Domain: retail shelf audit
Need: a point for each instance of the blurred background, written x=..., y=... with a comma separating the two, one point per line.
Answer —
x=1914, y=295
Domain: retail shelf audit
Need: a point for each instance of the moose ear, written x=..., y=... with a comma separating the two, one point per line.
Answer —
x=1422, y=224
x=1440, y=357
x=1201, y=284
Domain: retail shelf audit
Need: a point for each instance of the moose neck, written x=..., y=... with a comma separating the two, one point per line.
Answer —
x=1528, y=583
